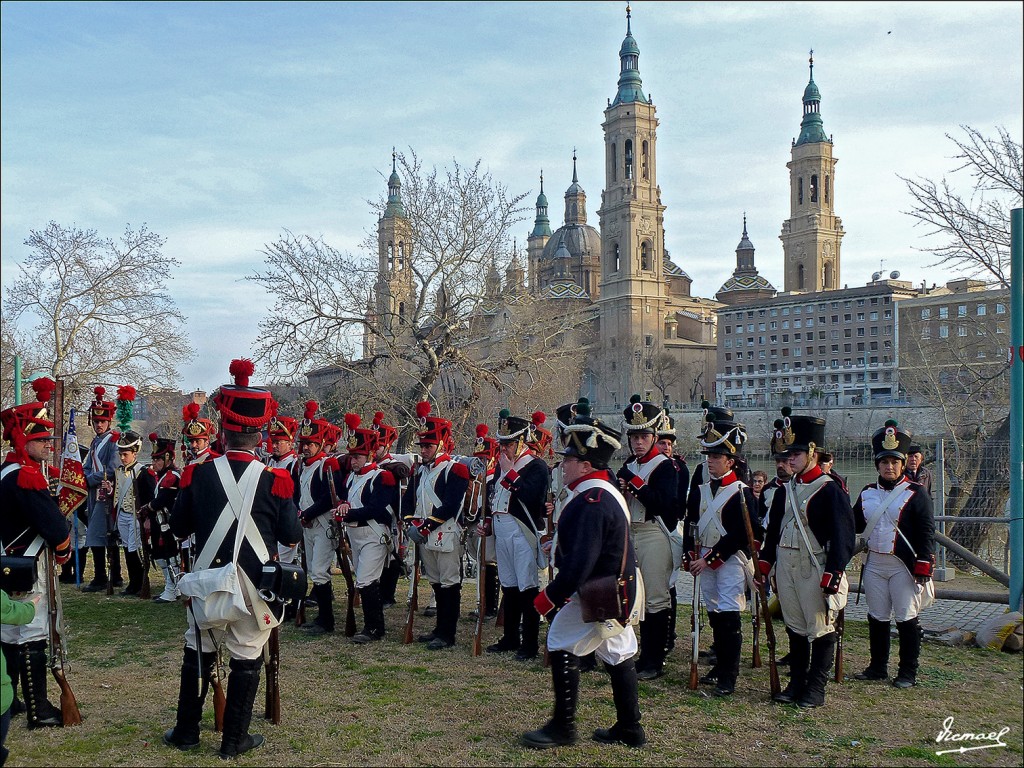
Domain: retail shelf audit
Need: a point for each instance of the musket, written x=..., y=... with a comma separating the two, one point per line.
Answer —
x=111, y=537
x=272, y=661
x=755, y=620
x=69, y=712
x=840, y=629
x=146, y=591
x=762, y=596
x=695, y=634
x=414, y=585
x=344, y=558
x=481, y=567
x=219, y=700
x=300, y=609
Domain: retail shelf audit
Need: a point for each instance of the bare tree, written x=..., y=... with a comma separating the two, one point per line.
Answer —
x=453, y=336
x=973, y=228
x=96, y=310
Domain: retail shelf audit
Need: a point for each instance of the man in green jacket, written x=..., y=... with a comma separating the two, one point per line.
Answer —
x=11, y=612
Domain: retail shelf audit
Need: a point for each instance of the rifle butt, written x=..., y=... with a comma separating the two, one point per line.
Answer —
x=219, y=704
x=407, y=639
x=755, y=659
x=350, y=618
x=499, y=621
x=70, y=714
x=694, y=676
x=146, y=591
x=773, y=678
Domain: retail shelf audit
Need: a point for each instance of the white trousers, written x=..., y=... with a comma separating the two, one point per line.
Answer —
x=516, y=554
x=724, y=588
x=320, y=550
x=654, y=556
x=444, y=568
x=803, y=603
x=568, y=632
x=39, y=627
x=890, y=590
x=369, y=554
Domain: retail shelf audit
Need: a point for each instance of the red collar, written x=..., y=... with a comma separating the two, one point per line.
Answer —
x=282, y=458
x=368, y=467
x=440, y=459
x=246, y=456
x=728, y=478
x=312, y=459
x=597, y=474
x=810, y=475
x=655, y=451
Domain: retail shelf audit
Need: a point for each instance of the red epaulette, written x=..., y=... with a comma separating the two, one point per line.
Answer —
x=169, y=480
x=284, y=486
x=387, y=478
x=186, y=476
x=461, y=470
x=31, y=479
x=331, y=463
x=594, y=495
x=114, y=436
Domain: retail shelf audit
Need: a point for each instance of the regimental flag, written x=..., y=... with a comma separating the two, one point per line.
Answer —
x=73, y=490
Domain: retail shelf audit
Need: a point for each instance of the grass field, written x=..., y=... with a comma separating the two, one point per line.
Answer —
x=389, y=704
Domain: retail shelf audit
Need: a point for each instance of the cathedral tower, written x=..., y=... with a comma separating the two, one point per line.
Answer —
x=812, y=235
x=538, y=238
x=632, y=291
x=394, y=290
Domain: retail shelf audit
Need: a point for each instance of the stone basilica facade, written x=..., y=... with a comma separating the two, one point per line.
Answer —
x=651, y=335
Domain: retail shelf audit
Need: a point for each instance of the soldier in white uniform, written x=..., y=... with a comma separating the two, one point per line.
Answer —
x=281, y=431
x=517, y=516
x=434, y=500
x=649, y=482
x=365, y=513
x=717, y=548
x=895, y=525
x=314, y=502
x=485, y=448
x=809, y=543
x=399, y=465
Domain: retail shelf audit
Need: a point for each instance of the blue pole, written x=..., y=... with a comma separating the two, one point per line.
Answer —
x=1016, y=408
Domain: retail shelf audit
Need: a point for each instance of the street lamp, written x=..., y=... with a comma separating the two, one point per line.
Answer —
x=18, y=380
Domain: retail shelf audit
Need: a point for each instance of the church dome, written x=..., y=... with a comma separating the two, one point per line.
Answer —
x=580, y=240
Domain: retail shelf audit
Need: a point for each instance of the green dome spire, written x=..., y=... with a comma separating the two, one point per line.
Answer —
x=395, y=209
x=630, y=85
x=541, y=225
x=812, y=130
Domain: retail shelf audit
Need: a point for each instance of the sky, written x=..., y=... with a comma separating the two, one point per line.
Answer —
x=221, y=125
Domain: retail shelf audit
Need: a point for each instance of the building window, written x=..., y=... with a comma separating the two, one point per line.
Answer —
x=926, y=332
x=961, y=330
x=961, y=310
x=643, y=161
x=613, y=162
x=800, y=191
x=800, y=277
x=981, y=310
x=827, y=183
x=873, y=316
x=943, y=331
x=628, y=151
x=1000, y=309
x=943, y=313
x=814, y=188
x=648, y=340
x=926, y=313
x=615, y=261
x=645, y=256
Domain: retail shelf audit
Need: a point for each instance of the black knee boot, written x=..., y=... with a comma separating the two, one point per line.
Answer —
x=799, y=659
x=511, y=639
x=625, y=690
x=654, y=634
x=324, y=596
x=134, y=564
x=12, y=658
x=191, y=695
x=493, y=589
x=114, y=564
x=711, y=676
x=879, y=640
x=373, y=615
x=389, y=581
x=671, y=643
x=561, y=728
x=41, y=713
x=427, y=637
x=729, y=641
x=823, y=651
x=910, y=652
x=531, y=625
x=99, y=563
x=449, y=601
x=243, y=682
